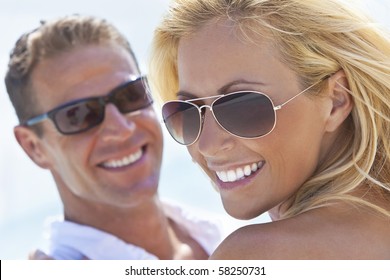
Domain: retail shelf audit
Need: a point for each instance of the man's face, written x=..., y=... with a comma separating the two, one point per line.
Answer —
x=117, y=162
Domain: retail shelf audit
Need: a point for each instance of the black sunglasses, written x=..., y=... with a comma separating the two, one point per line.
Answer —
x=245, y=114
x=80, y=115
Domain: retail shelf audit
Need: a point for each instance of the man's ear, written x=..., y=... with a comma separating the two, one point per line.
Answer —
x=342, y=102
x=32, y=145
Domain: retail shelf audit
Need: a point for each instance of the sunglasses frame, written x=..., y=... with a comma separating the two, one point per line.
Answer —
x=102, y=100
x=218, y=97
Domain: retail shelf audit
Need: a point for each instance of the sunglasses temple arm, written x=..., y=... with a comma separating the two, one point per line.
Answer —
x=36, y=120
x=295, y=96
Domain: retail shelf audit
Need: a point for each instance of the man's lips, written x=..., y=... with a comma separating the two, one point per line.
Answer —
x=123, y=161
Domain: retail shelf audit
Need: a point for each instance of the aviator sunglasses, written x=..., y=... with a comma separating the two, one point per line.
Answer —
x=245, y=114
x=80, y=115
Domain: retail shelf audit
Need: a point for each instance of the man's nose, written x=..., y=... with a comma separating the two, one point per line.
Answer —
x=116, y=126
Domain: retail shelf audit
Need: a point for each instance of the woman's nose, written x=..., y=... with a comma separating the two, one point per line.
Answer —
x=213, y=139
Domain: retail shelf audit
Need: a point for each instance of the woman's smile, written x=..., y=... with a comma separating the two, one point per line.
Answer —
x=241, y=176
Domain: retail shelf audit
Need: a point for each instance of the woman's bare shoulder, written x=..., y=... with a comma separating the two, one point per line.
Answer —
x=260, y=241
x=316, y=235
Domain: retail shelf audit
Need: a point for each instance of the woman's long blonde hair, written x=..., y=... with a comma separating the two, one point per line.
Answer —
x=315, y=38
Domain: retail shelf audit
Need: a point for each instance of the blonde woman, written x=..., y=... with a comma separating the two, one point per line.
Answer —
x=285, y=104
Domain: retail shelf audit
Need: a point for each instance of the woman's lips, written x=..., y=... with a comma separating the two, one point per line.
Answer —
x=233, y=175
x=241, y=176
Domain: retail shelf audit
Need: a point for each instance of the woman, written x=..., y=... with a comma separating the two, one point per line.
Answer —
x=285, y=105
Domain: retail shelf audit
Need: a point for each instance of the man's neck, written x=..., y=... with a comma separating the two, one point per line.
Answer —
x=144, y=225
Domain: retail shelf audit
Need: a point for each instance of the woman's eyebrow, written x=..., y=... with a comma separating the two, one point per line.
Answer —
x=226, y=88
x=222, y=90
x=185, y=94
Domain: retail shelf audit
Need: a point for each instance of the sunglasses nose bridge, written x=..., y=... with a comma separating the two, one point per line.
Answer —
x=202, y=112
x=105, y=100
x=205, y=106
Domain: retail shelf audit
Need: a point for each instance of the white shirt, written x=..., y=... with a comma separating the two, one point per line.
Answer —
x=68, y=240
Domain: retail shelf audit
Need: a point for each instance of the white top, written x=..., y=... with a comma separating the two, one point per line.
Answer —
x=71, y=241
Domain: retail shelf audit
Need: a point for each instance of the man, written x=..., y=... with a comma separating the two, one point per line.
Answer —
x=85, y=115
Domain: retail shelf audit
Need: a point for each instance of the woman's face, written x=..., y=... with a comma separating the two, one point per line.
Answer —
x=214, y=61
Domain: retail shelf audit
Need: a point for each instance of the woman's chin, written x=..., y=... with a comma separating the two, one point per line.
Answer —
x=239, y=213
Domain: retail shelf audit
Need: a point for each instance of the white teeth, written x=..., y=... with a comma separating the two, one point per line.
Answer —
x=124, y=161
x=247, y=170
x=231, y=176
x=238, y=173
x=223, y=176
x=254, y=167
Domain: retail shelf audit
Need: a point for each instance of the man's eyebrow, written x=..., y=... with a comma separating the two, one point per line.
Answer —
x=223, y=90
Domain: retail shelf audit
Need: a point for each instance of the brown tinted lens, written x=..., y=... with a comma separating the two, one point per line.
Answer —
x=245, y=114
x=79, y=116
x=182, y=120
x=131, y=97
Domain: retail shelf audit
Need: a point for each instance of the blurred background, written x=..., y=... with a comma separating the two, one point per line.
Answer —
x=28, y=195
